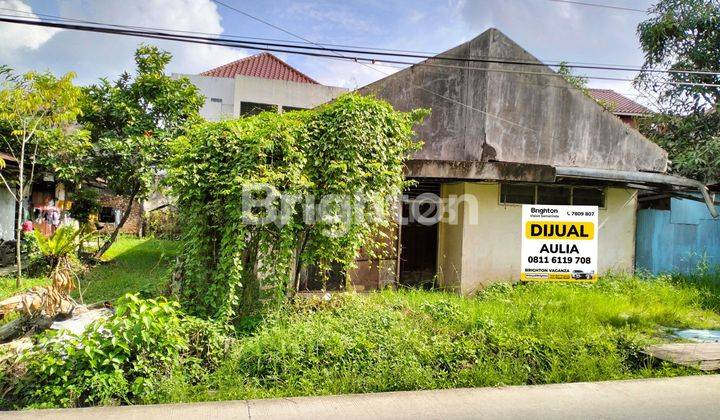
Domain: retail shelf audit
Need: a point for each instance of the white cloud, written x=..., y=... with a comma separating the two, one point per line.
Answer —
x=336, y=16
x=93, y=55
x=414, y=16
x=17, y=37
x=348, y=74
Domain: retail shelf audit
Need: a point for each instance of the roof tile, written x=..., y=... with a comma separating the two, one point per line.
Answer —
x=263, y=65
x=621, y=104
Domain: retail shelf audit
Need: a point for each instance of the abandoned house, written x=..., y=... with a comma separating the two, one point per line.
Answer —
x=509, y=131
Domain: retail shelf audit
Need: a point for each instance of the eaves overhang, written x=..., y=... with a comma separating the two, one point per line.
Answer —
x=525, y=172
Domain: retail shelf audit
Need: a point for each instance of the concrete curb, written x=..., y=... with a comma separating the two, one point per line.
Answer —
x=667, y=398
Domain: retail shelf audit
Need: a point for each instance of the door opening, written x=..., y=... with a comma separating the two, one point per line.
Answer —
x=419, y=236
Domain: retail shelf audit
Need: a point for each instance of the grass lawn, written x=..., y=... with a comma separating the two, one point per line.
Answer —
x=131, y=265
x=407, y=340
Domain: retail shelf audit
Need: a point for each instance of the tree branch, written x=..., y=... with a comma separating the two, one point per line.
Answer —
x=8, y=187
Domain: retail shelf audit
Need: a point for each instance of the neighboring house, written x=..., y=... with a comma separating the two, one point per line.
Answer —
x=506, y=135
x=258, y=83
x=626, y=109
x=674, y=234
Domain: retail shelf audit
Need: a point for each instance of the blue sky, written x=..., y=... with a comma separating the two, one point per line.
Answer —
x=547, y=29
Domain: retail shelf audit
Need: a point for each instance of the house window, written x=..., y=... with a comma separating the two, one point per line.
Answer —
x=517, y=193
x=553, y=195
x=107, y=215
x=254, y=108
x=588, y=197
x=291, y=108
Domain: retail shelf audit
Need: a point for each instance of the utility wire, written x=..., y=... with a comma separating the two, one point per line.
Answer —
x=325, y=44
x=386, y=53
x=380, y=52
x=380, y=71
x=362, y=59
x=600, y=5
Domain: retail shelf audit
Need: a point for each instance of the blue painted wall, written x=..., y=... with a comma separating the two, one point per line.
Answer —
x=678, y=239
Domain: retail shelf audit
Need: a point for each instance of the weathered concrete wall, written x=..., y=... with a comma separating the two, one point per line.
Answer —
x=512, y=113
x=485, y=248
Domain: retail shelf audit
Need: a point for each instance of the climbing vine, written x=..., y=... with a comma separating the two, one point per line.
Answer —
x=262, y=197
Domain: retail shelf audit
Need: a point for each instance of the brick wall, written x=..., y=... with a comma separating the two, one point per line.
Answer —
x=133, y=224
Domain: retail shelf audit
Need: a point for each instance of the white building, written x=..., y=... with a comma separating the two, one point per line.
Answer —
x=258, y=83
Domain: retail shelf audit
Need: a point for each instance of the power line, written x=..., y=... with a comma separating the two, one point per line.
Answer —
x=381, y=52
x=386, y=74
x=253, y=46
x=599, y=5
x=326, y=44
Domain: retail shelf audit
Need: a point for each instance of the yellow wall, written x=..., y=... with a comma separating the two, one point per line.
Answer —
x=484, y=248
x=450, y=241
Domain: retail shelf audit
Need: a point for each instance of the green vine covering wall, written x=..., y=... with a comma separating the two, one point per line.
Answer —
x=353, y=149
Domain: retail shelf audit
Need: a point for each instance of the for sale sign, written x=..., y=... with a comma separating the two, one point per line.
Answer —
x=559, y=243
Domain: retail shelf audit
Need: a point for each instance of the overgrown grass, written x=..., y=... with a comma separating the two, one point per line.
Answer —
x=408, y=340
x=130, y=265
x=527, y=334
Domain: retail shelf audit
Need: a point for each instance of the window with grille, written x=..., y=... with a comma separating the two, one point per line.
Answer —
x=517, y=193
x=552, y=195
x=588, y=197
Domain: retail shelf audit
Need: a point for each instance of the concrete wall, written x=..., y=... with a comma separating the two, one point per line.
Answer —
x=485, y=247
x=450, y=240
x=512, y=113
x=232, y=92
x=7, y=215
x=282, y=93
x=214, y=87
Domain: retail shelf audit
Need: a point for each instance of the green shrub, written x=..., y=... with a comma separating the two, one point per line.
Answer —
x=37, y=264
x=120, y=360
x=85, y=203
x=163, y=223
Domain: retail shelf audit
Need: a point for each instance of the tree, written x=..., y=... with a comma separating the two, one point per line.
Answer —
x=683, y=36
x=38, y=114
x=131, y=122
x=245, y=193
x=580, y=83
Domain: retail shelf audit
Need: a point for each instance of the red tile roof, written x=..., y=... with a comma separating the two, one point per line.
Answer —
x=263, y=65
x=621, y=104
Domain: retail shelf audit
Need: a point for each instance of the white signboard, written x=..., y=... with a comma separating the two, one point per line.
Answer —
x=559, y=243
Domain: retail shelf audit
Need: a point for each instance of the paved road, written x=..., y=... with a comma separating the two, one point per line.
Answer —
x=678, y=398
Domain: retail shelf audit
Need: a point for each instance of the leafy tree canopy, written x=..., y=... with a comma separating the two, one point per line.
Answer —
x=684, y=35
x=132, y=121
x=38, y=114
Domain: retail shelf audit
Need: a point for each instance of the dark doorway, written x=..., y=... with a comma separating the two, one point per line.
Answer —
x=419, y=236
